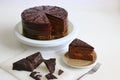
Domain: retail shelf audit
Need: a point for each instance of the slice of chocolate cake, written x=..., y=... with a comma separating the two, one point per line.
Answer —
x=79, y=49
x=29, y=63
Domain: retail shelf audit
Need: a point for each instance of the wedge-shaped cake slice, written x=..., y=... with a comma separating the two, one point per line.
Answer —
x=79, y=49
x=29, y=63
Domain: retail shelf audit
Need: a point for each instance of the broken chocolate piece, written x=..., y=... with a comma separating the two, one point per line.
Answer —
x=60, y=72
x=36, y=59
x=29, y=63
x=50, y=63
x=36, y=75
x=50, y=76
x=23, y=64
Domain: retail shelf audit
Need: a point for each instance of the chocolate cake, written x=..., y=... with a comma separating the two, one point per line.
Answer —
x=79, y=49
x=44, y=22
x=29, y=63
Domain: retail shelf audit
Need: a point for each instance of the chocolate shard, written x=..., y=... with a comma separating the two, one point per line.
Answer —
x=23, y=64
x=29, y=63
x=36, y=59
x=50, y=63
x=60, y=72
x=36, y=75
x=50, y=76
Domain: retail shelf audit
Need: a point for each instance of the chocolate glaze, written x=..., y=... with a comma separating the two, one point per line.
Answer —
x=80, y=43
x=38, y=14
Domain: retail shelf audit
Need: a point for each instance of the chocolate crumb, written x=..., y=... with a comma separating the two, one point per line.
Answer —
x=50, y=76
x=60, y=72
x=36, y=75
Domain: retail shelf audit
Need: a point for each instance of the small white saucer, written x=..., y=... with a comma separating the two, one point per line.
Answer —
x=72, y=32
x=77, y=63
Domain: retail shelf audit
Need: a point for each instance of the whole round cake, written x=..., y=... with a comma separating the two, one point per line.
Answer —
x=44, y=22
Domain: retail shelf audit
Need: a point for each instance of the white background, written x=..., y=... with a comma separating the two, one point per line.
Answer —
x=98, y=22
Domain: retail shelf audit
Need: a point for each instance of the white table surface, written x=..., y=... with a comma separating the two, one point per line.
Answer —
x=98, y=26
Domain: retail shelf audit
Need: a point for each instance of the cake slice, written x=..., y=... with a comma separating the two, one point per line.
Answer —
x=79, y=49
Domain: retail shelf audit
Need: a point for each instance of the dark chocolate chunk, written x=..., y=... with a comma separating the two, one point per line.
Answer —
x=23, y=64
x=29, y=63
x=50, y=63
x=36, y=75
x=36, y=59
x=50, y=76
x=60, y=72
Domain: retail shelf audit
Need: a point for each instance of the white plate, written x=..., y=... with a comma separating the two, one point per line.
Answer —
x=72, y=32
x=80, y=63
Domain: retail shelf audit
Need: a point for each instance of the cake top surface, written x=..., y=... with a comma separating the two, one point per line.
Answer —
x=38, y=14
x=79, y=43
